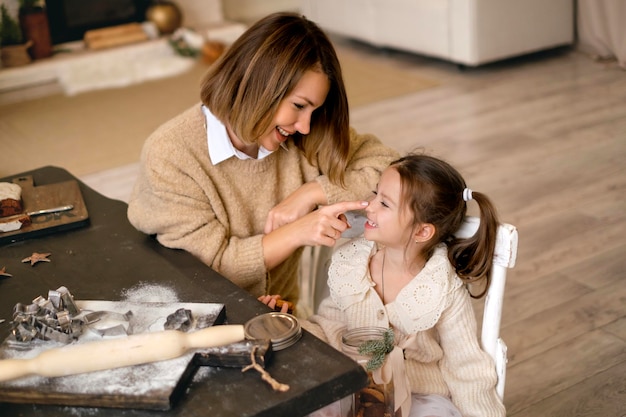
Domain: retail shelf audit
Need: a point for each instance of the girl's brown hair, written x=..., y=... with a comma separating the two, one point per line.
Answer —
x=246, y=85
x=433, y=191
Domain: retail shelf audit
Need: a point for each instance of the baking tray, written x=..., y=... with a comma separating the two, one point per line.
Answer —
x=155, y=386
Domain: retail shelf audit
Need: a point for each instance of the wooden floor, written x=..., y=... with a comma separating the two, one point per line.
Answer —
x=545, y=137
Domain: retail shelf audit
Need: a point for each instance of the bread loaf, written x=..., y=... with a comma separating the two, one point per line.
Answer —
x=10, y=199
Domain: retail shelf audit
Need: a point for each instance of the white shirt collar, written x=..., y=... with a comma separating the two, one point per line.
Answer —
x=220, y=146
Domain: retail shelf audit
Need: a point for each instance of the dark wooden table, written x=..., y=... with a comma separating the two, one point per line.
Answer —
x=101, y=260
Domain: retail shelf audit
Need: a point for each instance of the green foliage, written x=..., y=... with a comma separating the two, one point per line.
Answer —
x=10, y=32
x=182, y=49
x=378, y=350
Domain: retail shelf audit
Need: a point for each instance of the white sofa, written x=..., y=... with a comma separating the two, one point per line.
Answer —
x=466, y=32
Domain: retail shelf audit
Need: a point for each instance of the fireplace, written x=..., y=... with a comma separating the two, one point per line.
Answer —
x=70, y=19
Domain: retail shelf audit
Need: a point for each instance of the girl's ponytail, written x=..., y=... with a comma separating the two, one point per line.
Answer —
x=473, y=257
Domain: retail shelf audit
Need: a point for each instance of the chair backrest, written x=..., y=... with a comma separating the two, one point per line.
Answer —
x=504, y=258
x=315, y=272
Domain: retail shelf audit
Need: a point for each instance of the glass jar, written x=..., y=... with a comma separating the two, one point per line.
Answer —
x=375, y=400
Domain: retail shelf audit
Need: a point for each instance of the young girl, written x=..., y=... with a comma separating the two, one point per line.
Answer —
x=410, y=274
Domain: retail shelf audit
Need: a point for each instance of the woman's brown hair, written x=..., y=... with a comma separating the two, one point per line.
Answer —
x=246, y=85
x=433, y=191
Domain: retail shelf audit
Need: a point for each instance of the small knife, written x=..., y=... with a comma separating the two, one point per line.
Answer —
x=15, y=222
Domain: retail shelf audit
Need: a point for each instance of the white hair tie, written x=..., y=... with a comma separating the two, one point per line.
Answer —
x=467, y=194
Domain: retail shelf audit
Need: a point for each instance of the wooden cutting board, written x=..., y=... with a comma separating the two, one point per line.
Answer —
x=152, y=386
x=45, y=197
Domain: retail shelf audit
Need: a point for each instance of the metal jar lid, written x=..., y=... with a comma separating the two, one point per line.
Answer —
x=282, y=329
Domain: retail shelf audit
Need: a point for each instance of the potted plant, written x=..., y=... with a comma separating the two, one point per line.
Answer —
x=13, y=50
x=34, y=24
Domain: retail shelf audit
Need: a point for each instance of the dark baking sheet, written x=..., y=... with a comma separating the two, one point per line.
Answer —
x=155, y=386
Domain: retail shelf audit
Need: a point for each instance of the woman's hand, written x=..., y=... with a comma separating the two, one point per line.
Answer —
x=325, y=225
x=320, y=227
x=302, y=201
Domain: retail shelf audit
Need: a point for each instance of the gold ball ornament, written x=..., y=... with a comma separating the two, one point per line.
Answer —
x=166, y=16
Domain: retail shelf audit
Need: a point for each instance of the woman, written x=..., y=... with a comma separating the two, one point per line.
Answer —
x=248, y=177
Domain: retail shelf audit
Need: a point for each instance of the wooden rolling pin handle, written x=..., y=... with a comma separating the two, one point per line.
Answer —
x=116, y=353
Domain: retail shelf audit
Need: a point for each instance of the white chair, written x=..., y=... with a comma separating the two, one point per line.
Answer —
x=503, y=258
x=314, y=288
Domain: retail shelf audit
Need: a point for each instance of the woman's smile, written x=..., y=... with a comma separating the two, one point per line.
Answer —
x=282, y=131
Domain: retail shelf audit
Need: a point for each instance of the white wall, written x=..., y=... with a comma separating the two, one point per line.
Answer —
x=200, y=13
x=252, y=10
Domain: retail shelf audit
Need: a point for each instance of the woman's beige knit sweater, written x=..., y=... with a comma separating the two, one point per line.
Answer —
x=218, y=212
x=433, y=322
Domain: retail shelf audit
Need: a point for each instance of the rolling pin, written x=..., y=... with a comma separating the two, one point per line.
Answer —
x=116, y=353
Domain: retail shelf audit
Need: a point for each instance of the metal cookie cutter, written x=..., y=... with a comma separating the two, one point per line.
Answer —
x=109, y=323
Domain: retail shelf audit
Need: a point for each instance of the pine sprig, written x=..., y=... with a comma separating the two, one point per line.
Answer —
x=377, y=349
x=10, y=31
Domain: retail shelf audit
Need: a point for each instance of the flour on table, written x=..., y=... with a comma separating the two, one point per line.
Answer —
x=150, y=293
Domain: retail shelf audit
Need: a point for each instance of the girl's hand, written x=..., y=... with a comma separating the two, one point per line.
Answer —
x=301, y=202
x=276, y=303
